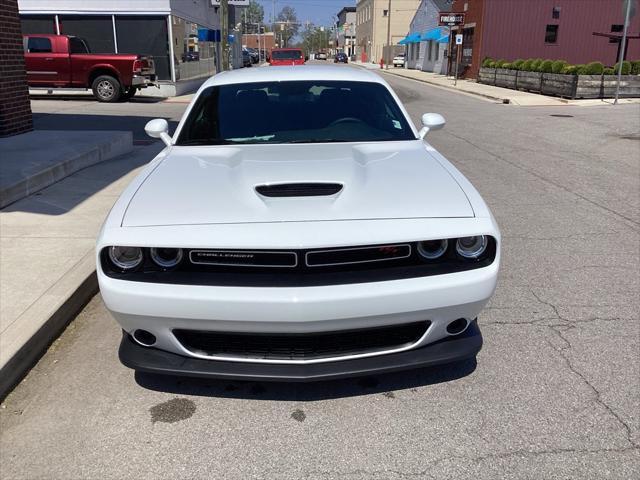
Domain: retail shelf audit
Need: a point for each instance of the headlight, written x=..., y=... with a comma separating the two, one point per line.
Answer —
x=471, y=247
x=126, y=258
x=432, y=249
x=166, y=257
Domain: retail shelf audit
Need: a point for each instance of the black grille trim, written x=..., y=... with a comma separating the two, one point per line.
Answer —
x=301, y=346
x=299, y=189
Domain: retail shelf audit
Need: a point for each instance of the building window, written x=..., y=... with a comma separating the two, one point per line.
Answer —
x=430, y=49
x=551, y=34
x=437, y=51
x=555, y=12
x=145, y=35
x=95, y=30
x=385, y=13
x=616, y=29
x=38, y=24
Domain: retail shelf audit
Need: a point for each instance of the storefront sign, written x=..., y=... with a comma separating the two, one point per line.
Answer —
x=452, y=19
x=237, y=3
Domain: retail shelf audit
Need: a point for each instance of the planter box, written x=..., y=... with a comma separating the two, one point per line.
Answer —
x=506, y=78
x=629, y=86
x=558, y=84
x=530, y=81
x=487, y=76
x=588, y=86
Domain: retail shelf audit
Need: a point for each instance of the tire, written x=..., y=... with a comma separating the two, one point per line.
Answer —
x=129, y=93
x=106, y=89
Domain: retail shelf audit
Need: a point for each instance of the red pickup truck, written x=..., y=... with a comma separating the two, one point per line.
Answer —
x=61, y=61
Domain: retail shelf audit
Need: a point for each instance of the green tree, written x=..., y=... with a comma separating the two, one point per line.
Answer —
x=252, y=16
x=288, y=24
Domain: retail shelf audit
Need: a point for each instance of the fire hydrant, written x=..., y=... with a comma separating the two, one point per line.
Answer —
x=382, y=63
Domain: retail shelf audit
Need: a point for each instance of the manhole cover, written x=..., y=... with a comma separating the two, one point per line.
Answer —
x=561, y=115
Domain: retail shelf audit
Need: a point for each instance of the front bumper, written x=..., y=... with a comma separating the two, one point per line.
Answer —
x=448, y=350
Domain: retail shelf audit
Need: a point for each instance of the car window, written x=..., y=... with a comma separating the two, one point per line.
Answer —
x=78, y=45
x=295, y=112
x=39, y=45
x=286, y=54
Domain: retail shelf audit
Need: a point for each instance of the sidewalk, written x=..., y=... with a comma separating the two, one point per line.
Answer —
x=489, y=92
x=47, y=264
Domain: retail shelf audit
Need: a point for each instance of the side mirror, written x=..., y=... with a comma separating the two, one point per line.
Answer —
x=431, y=121
x=158, y=128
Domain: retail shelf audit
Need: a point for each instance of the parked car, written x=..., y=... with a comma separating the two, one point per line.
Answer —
x=191, y=56
x=255, y=56
x=286, y=56
x=318, y=237
x=246, y=58
x=341, y=57
x=321, y=56
x=61, y=61
x=398, y=60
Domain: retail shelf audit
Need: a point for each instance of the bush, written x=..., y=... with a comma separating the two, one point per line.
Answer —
x=527, y=65
x=571, y=69
x=557, y=66
x=500, y=63
x=593, y=68
x=546, y=66
x=535, y=65
x=517, y=65
x=487, y=61
x=492, y=64
x=626, y=68
x=609, y=71
x=507, y=65
x=635, y=67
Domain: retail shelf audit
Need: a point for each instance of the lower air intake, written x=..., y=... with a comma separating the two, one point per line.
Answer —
x=301, y=346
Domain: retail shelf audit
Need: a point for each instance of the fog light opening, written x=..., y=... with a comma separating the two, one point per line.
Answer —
x=457, y=326
x=144, y=338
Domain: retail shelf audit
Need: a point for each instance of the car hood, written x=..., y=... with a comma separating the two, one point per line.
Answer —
x=382, y=180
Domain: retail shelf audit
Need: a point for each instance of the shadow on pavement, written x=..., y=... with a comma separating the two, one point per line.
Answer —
x=75, y=121
x=89, y=98
x=308, y=392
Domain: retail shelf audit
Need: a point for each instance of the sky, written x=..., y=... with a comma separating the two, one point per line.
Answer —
x=320, y=12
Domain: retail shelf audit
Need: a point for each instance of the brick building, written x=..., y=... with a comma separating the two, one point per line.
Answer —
x=547, y=29
x=15, y=107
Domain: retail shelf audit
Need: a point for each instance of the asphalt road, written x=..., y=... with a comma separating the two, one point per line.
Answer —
x=554, y=394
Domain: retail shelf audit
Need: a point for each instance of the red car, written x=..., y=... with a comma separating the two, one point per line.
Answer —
x=61, y=61
x=286, y=57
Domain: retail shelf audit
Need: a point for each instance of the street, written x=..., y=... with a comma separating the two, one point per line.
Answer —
x=555, y=390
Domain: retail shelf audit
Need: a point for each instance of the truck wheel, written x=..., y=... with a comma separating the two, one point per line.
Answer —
x=106, y=89
x=129, y=93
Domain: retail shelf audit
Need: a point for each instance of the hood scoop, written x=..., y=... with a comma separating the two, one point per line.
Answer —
x=281, y=190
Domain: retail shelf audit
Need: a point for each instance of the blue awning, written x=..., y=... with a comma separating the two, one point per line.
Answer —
x=443, y=39
x=413, y=38
x=433, y=34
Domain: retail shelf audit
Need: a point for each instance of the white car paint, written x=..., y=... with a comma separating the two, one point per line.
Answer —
x=203, y=197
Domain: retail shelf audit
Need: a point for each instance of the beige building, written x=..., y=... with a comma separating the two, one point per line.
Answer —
x=371, y=25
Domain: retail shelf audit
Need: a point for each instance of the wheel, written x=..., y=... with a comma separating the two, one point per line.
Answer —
x=106, y=89
x=129, y=93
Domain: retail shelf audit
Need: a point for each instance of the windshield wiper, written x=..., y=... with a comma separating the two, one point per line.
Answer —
x=204, y=141
x=319, y=140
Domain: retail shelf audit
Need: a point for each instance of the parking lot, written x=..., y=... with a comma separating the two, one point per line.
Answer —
x=555, y=392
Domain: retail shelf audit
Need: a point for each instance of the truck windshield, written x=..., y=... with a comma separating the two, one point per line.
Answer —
x=295, y=112
x=286, y=54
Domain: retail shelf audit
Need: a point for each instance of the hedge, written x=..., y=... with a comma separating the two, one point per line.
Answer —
x=561, y=66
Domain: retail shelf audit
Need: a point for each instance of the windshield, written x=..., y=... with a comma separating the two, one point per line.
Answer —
x=286, y=54
x=294, y=112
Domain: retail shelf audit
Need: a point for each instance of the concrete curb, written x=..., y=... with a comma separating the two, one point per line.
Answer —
x=116, y=144
x=47, y=318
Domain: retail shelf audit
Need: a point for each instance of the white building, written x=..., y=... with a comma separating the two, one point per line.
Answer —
x=182, y=36
x=427, y=43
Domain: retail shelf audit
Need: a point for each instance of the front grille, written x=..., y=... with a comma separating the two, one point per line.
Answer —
x=301, y=346
x=299, y=189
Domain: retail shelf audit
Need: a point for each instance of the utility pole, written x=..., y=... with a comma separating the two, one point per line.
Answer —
x=622, y=48
x=386, y=61
x=224, y=33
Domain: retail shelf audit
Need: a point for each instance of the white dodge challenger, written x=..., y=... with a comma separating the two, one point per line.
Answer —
x=297, y=227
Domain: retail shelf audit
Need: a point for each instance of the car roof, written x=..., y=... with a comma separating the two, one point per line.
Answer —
x=290, y=74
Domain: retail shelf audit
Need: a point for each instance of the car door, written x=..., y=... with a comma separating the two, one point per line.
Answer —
x=45, y=66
